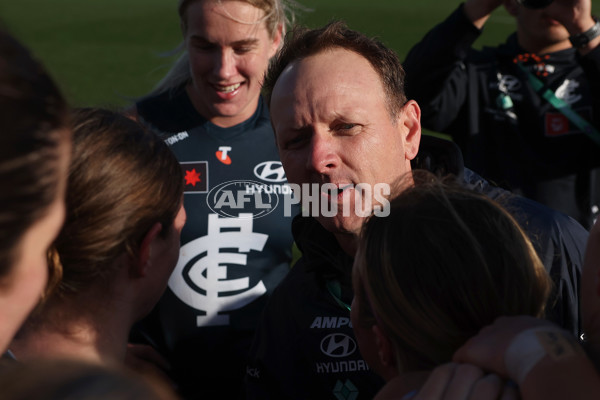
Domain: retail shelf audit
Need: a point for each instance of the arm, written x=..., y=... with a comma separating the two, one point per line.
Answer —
x=559, y=369
x=436, y=74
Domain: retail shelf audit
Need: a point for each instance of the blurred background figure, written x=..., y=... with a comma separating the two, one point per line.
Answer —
x=118, y=246
x=210, y=112
x=76, y=379
x=34, y=154
x=444, y=264
x=526, y=113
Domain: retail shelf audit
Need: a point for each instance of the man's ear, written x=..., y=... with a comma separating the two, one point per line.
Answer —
x=410, y=120
x=511, y=6
x=145, y=251
x=384, y=348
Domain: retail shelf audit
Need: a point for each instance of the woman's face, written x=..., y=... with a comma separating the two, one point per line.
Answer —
x=29, y=274
x=229, y=49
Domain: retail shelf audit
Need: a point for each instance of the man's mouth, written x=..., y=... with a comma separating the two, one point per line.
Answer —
x=335, y=192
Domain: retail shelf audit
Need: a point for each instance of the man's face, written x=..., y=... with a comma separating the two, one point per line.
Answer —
x=539, y=30
x=332, y=126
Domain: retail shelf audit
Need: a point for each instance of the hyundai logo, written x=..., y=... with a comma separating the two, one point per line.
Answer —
x=338, y=345
x=270, y=171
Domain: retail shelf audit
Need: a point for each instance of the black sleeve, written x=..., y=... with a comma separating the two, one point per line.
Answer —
x=436, y=74
x=271, y=358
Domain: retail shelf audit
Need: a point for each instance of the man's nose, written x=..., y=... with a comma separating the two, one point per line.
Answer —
x=323, y=153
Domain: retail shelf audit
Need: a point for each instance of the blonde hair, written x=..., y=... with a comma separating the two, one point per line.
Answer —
x=277, y=12
x=445, y=263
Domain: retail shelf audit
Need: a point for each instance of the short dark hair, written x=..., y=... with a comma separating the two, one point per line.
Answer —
x=33, y=126
x=302, y=42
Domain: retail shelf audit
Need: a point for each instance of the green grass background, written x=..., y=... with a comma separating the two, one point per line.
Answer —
x=106, y=52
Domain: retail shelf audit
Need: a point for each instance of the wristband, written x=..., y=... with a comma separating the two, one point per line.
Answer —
x=525, y=351
x=582, y=39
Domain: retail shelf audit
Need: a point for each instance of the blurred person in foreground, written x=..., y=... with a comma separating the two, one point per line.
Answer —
x=118, y=246
x=445, y=263
x=546, y=361
x=35, y=145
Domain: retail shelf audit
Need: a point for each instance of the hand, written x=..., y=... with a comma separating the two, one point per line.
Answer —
x=590, y=292
x=478, y=11
x=145, y=360
x=463, y=381
x=575, y=15
x=487, y=348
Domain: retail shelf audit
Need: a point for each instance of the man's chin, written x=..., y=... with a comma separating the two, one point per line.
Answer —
x=350, y=225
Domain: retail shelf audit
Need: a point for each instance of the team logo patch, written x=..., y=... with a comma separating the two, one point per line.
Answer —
x=345, y=390
x=203, y=279
x=558, y=124
x=195, y=175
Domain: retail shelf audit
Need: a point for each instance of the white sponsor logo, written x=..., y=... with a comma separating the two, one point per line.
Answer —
x=270, y=171
x=178, y=137
x=338, y=345
x=341, y=366
x=200, y=278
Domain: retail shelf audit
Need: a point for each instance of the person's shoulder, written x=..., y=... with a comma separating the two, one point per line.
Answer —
x=546, y=221
x=540, y=222
x=168, y=112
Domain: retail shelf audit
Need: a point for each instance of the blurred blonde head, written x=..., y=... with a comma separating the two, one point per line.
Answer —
x=444, y=264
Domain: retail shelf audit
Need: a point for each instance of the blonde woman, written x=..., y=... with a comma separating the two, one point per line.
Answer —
x=210, y=111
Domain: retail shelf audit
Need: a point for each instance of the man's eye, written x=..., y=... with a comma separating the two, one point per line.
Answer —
x=295, y=142
x=243, y=50
x=345, y=127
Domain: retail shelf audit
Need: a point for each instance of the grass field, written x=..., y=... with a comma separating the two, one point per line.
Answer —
x=105, y=52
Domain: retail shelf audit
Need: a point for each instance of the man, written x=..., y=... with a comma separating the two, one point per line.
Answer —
x=342, y=121
x=527, y=113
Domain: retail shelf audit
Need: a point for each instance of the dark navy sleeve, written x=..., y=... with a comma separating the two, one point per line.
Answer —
x=436, y=75
x=559, y=241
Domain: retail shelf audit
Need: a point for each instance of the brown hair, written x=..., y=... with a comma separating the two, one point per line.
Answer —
x=122, y=180
x=445, y=263
x=302, y=42
x=33, y=120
